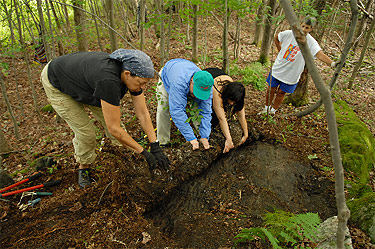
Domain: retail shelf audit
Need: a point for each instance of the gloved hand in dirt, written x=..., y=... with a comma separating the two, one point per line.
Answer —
x=159, y=155
x=150, y=158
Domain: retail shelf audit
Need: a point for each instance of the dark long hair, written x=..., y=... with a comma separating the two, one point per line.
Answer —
x=234, y=91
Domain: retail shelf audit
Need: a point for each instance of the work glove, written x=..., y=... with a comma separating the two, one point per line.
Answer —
x=159, y=155
x=150, y=158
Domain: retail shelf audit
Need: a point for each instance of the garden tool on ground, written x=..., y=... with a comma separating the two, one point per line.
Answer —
x=31, y=178
x=47, y=184
x=30, y=203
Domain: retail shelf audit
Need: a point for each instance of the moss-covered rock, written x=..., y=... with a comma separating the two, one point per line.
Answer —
x=356, y=142
x=363, y=213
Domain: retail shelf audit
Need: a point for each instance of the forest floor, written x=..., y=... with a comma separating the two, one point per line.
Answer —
x=205, y=198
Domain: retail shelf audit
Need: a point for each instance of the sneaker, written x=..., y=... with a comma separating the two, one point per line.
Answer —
x=271, y=111
x=84, y=178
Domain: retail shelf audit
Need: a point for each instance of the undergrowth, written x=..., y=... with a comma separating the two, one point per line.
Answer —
x=252, y=74
x=283, y=230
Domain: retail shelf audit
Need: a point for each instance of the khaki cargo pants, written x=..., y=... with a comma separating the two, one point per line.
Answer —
x=74, y=114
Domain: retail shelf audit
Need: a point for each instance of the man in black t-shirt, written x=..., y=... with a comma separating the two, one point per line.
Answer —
x=99, y=81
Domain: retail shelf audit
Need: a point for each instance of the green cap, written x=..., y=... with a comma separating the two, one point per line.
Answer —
x=203, y=82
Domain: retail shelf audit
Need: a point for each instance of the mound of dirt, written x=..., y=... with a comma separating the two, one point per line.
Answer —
x=202, y=201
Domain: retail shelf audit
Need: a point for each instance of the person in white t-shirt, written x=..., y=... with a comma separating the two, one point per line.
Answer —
x=289, y=64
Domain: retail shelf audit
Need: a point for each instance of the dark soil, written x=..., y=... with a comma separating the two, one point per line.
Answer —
x=206, y=197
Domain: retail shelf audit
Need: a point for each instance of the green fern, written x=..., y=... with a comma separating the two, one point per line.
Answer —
x=283, y=229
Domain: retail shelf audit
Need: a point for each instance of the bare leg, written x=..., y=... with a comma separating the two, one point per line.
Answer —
x=279, y=98
x=270, y=96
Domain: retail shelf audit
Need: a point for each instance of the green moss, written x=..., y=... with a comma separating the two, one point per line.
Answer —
x=358, y=190
x=363, y=212
x=356, y=142
x=47, y=108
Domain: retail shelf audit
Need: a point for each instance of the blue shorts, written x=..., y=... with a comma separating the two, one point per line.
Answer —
x=285, y=87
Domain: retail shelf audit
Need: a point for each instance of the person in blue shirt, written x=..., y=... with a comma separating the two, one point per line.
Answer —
x=180, y=80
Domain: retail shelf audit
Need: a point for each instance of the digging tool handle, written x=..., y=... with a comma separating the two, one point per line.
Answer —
x=52, y=183
x=47, y=184
x=31, y=178
x=34, y=177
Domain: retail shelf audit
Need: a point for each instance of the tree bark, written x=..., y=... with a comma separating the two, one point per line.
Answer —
x=259, y=24
x=13, y=40
x=67, y=18
x=162, y=33
x=44, y=31
x=15, y=125
x=195, y=34
x=169, y=34
x=343, y=211
x=319, y=6
x=142, y=6
x=225, y=38
x=92, y=9
x=341, y=61
x=59, y=29
x=300, y=96
x=361, y=25
x=27, y=59
x=267, y=35
x=237, y=41
x=112, y=23
x=53, y=49
x=79, y=22
x=363, y=52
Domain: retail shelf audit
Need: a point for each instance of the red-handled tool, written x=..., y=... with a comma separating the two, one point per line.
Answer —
x=31, y=178
x=47, y=184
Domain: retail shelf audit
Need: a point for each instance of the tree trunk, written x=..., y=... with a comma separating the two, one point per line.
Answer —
x=169, y=34
x=162, y=33
x=319, y=6
x=27, y=59
x=53, y=49
x=267, y=35
x=96, y=25
x=79, y=22
x=225, y=38
x=59, y=29
x=126, y=26
x=237, y=41
x=13, y=40
x=300, y=96
x=259, y=24
x=32, y=34
x=361, y=26
x=112, y=35
x=205, y=41
x=195, y=34
x=341, y=61
x=44, y=31
x=343, y=211
x=142, y=7
x=67, y=18
x=15, y=125
x=363, y=52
